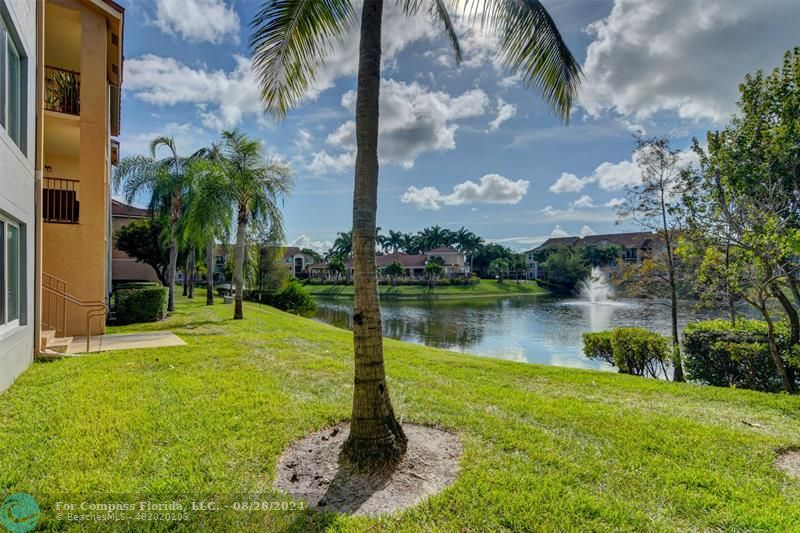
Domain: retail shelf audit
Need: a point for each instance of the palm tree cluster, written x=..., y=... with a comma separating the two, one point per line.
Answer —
x=204, y=196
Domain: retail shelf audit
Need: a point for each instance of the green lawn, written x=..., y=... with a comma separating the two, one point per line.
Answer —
x=484, y=288
x=545, y=448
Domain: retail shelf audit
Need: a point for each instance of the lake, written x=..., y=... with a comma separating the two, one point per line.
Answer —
x=535, y=329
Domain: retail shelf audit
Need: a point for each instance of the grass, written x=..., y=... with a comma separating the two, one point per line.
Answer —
x=545, y=448
x=482, y=289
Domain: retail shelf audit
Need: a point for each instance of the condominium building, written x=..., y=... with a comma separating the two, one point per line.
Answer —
x=18, y=67
x=60, y=78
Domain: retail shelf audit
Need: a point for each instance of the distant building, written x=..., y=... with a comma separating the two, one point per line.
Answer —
x=414, y=265
x=296, y=261
x=633, y=247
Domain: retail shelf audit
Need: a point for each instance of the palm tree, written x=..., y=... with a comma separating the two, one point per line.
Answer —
x=434, y=237
x=241, y=183
x=467, y=243
x=394, y=270
x=290, y=40
x=204, y=227
x=343, y=245
x=167, y=183
x=393, y=241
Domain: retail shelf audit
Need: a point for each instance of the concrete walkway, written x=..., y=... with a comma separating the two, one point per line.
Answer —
x=125, y=341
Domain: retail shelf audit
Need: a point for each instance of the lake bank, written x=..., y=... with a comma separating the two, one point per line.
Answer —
x=483, y=289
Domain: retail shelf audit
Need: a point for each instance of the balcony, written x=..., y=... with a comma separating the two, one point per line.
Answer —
x=61, y=201
x=62, y=91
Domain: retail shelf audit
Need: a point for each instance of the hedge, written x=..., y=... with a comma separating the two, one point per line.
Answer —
x=634, y=351
x=141, y=304
x=717, y=353
x=292, y=299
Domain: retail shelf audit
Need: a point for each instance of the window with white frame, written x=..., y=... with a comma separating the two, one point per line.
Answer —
x=12, y=262
x=12, y=87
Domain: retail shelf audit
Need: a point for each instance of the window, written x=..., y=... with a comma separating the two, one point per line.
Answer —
x=12, y=269
x=12, y=87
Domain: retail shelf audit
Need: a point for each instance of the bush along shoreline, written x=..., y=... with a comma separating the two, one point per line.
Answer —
x=714, y=352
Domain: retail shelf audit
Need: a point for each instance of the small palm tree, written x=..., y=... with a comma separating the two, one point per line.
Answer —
x=499, y=267
x=394, y=270
x=290, y=40
x=241, y=184
x=167, y=182
x=204, y=228
x=433, y=270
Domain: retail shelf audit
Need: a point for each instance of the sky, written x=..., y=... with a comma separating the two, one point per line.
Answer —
x=460, y=145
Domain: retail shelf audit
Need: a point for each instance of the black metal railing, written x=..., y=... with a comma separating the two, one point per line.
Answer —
x=62, y=90
x=61, y=201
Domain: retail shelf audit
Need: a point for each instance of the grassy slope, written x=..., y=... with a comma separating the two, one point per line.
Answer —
x=545, y=448
x=484, y=288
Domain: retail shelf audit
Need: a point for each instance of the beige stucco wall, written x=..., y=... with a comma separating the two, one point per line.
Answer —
x=77, y=253
x=123, y=267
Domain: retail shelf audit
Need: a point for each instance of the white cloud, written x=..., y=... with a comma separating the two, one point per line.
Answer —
x=614, y=176
x=198, y=20
x=569, y=183
x=687, y=57
x=414, y=120
x=188, y=139
x=222, y=99
x=505, y=111
x=586, y=231
x=303, y=140
x=583, y=202
x=493, y=189
x=322, y=162
x=304, y=241
x=615, y=203
x=558, y=232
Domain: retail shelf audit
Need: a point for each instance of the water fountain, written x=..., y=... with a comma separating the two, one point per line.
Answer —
x=596, y=288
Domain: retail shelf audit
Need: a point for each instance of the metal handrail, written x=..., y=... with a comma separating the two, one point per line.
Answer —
x=96, y=308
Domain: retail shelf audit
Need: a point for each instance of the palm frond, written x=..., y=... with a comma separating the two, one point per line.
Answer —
x=290, y=40
x=438, y=10
x=532, y=47
x=163, y=140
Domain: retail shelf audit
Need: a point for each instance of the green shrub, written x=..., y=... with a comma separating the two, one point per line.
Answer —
x=634, y=351
x=598, y=346
x=716, y=353
x=123, y=285
x=292, y=299
x=141, y=304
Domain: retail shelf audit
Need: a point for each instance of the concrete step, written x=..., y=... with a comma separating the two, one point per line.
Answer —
x=47, y=336
x=59, y=344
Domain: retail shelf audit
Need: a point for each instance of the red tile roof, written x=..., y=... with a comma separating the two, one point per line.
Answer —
x=408, y=261
x=119, y=209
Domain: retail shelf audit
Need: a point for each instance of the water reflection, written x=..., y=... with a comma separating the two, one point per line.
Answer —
x=533, y=329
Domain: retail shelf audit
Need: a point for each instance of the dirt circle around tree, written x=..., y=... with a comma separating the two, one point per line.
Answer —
x=309, y=470
x=788, y=461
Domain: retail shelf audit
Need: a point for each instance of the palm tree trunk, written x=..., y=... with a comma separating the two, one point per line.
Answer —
x=173, y=268
x=376, y=437
x=190, y=279
x=210, y=273
x=238, y=266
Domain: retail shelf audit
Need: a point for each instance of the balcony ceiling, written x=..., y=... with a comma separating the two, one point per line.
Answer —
x=62, y=135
